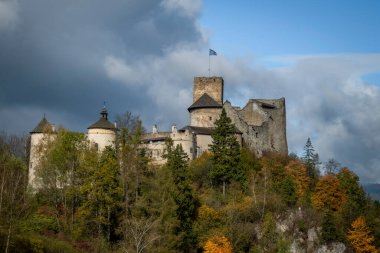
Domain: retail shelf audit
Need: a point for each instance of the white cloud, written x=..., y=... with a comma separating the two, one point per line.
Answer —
x=326, y=97
x=8, y=14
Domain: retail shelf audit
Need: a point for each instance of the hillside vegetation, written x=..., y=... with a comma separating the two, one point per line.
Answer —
x=227, y=200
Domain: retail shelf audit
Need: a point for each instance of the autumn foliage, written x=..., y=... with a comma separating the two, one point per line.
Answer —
x=328, y=195
x=360, y=238
x=218, y=244
x=298, y=172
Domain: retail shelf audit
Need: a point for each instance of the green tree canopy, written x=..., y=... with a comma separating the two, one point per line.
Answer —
x=225, y=153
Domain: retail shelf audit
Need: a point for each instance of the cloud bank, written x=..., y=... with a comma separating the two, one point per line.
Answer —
x=64, y=58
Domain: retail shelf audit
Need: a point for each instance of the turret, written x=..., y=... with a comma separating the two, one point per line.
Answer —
x=41, y=132
x=102, y=133
x=207, y=101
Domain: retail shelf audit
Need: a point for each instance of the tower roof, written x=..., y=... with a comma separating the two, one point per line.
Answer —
x=103, y=122
x=205, y=101
x=43, y=126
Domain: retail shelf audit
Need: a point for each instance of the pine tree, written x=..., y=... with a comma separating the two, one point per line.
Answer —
x=311, y=160
x=329, y=231
x=102, y=192
x=183, y=196
x=225, y=154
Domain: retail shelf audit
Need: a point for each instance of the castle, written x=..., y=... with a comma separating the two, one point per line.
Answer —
x=260, y=125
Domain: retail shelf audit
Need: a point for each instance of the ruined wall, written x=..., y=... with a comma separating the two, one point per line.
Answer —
x=213, y=86
x=204, y=117
x=263, y=124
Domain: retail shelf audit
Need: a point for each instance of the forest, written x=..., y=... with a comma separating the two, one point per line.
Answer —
x=226, y=200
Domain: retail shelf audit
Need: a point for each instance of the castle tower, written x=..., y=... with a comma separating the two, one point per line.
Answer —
x=102, y=133
x=41, y=132
x=207, y=101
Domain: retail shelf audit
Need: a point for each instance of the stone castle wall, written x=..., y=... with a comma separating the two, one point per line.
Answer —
x=204, y=117
x=263, y=124
x=213, y=86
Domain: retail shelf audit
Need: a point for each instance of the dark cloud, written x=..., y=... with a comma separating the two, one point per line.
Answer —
x=52, y=58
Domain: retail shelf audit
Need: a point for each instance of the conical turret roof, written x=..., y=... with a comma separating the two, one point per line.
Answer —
x=103, y=122
x=205, y=101
x=43, y=126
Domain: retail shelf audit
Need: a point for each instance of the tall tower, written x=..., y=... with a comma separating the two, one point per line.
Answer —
x=207, y=101
x=102, y=133
x=43, y=131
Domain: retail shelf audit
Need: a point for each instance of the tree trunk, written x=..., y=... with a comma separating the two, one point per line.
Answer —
x=224, y=189
x=9, y=233
x=109, y=224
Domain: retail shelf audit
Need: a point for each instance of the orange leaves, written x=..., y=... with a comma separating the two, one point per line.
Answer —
x=328, y=195
x=297, y=170
x=359, y=236
x=218, y=244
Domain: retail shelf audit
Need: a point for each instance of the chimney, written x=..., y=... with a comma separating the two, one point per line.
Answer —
x=115, y=124
x=155, y=130
x=174, y=129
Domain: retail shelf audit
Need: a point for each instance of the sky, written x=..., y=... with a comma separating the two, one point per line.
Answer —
x=65, y=58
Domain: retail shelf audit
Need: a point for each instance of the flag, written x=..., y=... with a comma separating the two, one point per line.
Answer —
x=211, y=52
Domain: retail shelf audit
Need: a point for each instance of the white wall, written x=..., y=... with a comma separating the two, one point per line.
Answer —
x=102, y=137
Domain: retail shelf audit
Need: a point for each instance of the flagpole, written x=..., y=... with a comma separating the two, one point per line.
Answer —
x=209, y=65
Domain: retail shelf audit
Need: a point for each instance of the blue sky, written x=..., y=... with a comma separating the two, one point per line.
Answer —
x=64, y=58
x=266, y=28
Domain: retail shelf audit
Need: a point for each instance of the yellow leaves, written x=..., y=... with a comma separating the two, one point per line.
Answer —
x=359, y=236
x=218, y=244
x=328, y=195
x=298, y=172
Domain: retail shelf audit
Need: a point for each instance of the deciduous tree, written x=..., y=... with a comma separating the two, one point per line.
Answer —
x=359, y=236
x=328, y=195
x=218, y=244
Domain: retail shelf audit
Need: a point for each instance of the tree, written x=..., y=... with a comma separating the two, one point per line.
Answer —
x=183, y=195
x=139, y=233
x=311, y=160
x=58, y=171
x=332, y=166
x=14, y=200
x=218, y=244
x=359, y=236
x=329, y=231
x=269, y=233
x=356, y=199
x=225, y=154
x=328, y=195
x=297, y=170
x=101, y=191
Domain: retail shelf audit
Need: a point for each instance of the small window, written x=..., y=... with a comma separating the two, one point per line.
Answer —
x=191, y=150
x=257, y=135
x=210, y=118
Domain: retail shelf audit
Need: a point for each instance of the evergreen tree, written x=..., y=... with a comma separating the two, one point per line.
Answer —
x=102, y=192
x=225, y=154
x=183, y=196
x=329, y=231
x=311, y=160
